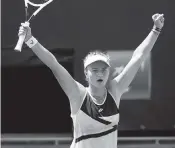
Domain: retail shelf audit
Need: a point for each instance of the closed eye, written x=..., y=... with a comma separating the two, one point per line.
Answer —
x=101, y=70
x=104, y=69
x=94, y=70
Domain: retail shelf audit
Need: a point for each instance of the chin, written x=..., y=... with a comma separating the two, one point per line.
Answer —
x=100, y=84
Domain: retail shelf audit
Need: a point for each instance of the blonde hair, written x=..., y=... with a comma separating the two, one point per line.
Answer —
x=96, y=52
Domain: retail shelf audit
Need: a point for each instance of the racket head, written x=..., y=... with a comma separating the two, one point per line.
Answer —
x=38, y=5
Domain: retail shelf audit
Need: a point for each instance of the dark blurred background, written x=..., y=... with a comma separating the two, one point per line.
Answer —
x=32, y=100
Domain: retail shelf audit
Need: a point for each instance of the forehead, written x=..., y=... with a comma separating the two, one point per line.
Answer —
x=98, y=64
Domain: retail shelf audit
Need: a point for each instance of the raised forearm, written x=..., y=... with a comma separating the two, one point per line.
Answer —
x=65, y=80
x=44, y=55
x=127, y=75
x=146, y=46
x=71, y=88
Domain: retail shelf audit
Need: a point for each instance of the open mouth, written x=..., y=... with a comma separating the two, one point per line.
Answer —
x=100, y=80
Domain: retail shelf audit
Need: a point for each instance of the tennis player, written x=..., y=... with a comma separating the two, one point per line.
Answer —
x=95, y=109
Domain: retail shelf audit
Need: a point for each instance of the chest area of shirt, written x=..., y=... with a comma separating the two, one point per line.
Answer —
x=107, y=110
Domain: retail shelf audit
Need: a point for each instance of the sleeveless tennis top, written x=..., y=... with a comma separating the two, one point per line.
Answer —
x=95, y=125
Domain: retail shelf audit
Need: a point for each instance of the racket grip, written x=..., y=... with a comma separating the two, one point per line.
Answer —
x=20, y=42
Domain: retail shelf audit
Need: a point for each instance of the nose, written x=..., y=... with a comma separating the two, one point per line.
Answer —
x=100, y=74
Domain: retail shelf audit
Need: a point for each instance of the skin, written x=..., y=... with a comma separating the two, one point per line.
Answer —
x=117, y=86
x=95, y=72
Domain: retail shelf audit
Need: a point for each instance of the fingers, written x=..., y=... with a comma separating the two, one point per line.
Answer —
x=155, y=16
x=161, y=18
x=26, y=24
x=23, y=29
x=158, y=20
x=158, y=16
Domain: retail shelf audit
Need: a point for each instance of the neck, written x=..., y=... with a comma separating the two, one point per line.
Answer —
x=95, y=91
x=98, y=94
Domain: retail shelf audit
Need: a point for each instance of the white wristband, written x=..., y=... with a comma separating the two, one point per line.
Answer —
x=31, y=42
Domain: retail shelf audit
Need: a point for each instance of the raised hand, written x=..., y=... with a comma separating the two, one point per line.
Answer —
x=24, y=29
x=158, y=20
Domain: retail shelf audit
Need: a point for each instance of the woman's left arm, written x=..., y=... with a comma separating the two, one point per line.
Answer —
x=139, y=55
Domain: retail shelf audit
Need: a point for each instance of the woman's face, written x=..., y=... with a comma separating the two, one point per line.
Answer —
x=97, y=74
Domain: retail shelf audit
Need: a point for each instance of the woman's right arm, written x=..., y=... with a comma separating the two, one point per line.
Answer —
x=74, y=90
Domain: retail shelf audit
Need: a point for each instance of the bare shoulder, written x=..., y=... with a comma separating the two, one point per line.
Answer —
x=81, y=89
x=76, y=98
x=77, y=93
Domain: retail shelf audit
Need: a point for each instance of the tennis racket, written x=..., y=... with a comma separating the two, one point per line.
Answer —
x=38, y=5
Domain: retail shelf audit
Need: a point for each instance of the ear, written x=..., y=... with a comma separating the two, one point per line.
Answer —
x=85, y=73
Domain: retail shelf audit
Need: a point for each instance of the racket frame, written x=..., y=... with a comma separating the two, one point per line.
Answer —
x=21, y=38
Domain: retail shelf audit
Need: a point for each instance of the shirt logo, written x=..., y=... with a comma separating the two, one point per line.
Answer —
x=100, y=110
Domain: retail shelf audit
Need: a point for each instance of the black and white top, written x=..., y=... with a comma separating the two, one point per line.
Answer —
x=95, y=125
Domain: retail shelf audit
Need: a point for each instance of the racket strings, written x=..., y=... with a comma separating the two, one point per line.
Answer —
x=32, y=7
